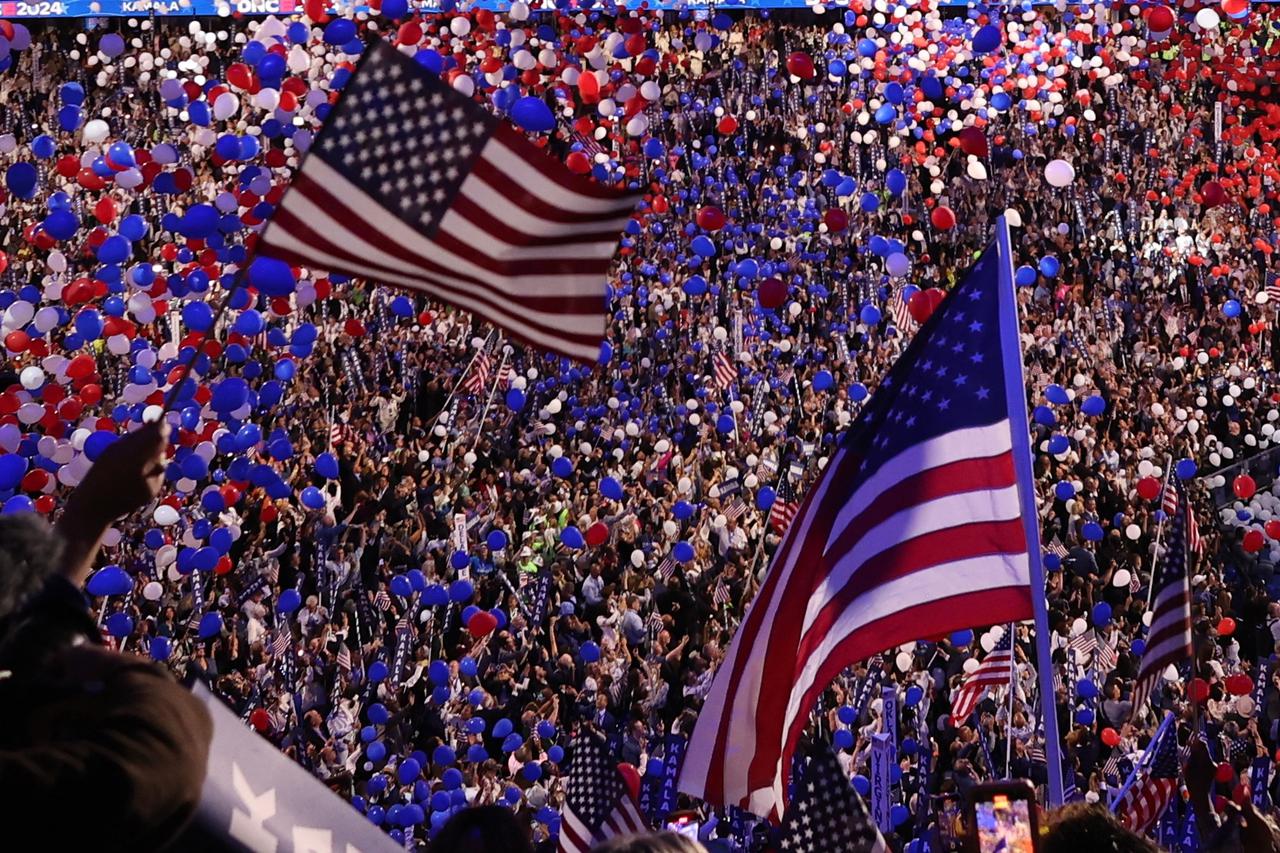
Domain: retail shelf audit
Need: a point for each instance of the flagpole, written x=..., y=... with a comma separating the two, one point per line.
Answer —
x=1151, y=585
x=1015, y=383
x=1013, y=681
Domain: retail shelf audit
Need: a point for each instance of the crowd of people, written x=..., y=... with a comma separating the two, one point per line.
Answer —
x=420, y=558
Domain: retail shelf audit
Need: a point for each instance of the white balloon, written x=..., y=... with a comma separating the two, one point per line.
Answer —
x=1121, y=578
x=1207, y=19
x=670, y=528
x=152, y=591
x=165, y=515
x=1059, y=173
x=1078, y=627
x=95, y=131
x=970, y=665
x=637, y=558
x=897, y=264
x=903, y=660
x=31, y=377
x=1133, y=531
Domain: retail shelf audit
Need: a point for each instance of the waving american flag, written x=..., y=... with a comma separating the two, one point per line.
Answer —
x=412, y=184
x=598, y=802
x=1169, y=638
x=922, y=522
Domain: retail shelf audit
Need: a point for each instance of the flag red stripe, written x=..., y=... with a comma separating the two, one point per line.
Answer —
x=552, y=169
x=1008, y=604
x=504, y=231
x=963, y=475
x=482, y=292
x=521, y=197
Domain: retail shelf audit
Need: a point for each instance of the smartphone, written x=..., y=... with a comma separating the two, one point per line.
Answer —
x=684, y=823
x=1002, y=818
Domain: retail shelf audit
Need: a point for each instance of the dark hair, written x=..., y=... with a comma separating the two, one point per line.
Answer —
x=29, y=552
x=652, y=842
x=485, y=829
x=1081, y=826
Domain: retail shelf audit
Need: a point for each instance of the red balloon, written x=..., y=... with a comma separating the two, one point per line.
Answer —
x=772, y=293
x=1148, y=488
x=631, y=776
x=973, y=141
x=1244, y=487
x=800, y=64
x=1224, y=773
x=836, y=220
x=1253, y=542
x=1241, y=794
x=482, y=623
x=1198, y=690
x=1227, y=625
x=260, y=720
x=1273, y=528
x=1213, y=195
x=105, y=210
x=924, y=302
x=727, y=126
x=710, y=218
x=943, y=218
x=17, y=341
x=1239, y=684
x=578, y=162
x=1160, y=19
x=1110, y=736
x=597, y=534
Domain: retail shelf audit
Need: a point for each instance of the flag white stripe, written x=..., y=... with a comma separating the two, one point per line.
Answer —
x=474, y=300
x=917, y=520
x=499, y=207
x=514, y=165
x=574, y=835
x=956, y=446
x=747, y=689
x=360, y=204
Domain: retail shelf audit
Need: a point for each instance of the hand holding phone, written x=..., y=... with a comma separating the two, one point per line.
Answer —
x=1003, y=818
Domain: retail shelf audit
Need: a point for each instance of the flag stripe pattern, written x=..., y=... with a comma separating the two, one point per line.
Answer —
x=1143, y=803
x=725, y=372
x=598, y=804
x=412, y=184
x=915, y=524
x=996, y=670
x=1169, y=638
x=784, y=508
x=479, y=376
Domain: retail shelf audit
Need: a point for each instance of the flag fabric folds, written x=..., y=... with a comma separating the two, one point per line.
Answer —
x=914, y=529
x=827, y=813
x=412, y=184
x=996, y=670
x=1144, y=802
x=1169, y=638
x=598, y=803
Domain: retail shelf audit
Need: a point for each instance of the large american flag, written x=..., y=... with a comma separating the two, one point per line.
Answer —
x=996, y=670
x=1149, y=796
x=598, y=803
x=412, y=184
x=827, y=813
x=1169, y=639
x=914, y=529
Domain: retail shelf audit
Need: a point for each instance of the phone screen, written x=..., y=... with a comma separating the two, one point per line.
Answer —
x=1004, y=825
x=685, y=827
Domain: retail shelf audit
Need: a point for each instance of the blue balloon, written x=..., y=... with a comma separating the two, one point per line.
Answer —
x=1084, y=717
x=611, y=489
x=962, y=638
x=986, y=39
x=409, y=769
x=515, y=399
x=895, y=181
x=590, y=652
x=12, y=469
x=502, y=728
x=862, y=785
x=1138, y=646
x=1064, y=491
x=702, y=246
x=339, y=31
x=327, y=466
x=1101, y=614
x=210, y=625
x=914, y=695
x=110, y=580
x=1185, y=469
x=272, y=277
x=376, y=751
x=843, y=739
x=847, y=714
x=312, y=498
x=21, y=179
x=533, y=114
x=1025, y=276
x=61, y=224
x=1092, y=531
x=1093, y=406
x=377, y=671
x=765, y=498
x=858, y=392
x=1049, y=266
x=682, y=552
x=1057, y=395
x=562, y=466
x=571, y=537
x=1231, y=308
x=497, y=540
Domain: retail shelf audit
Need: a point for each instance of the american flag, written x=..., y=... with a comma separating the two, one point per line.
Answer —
x=734, y=509
x=827, y=813
x=381, y=600
x=1169, y=503
x=724, y=369
x=902, y=319
x=479, y=375
x=785, y=506
x=1082, y=647
x=914, y=526
x=1056, y=547
x=667, y=567
x=1105, y=657
x=1169, y=638
x=720, y=595
x=412, y=184
x=598, y=803
x=344, y=657
x=996, y=670
x=1149, y=796
x=339, y=433
x=281, y=642
x=1273, y=289
x=504, y=376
